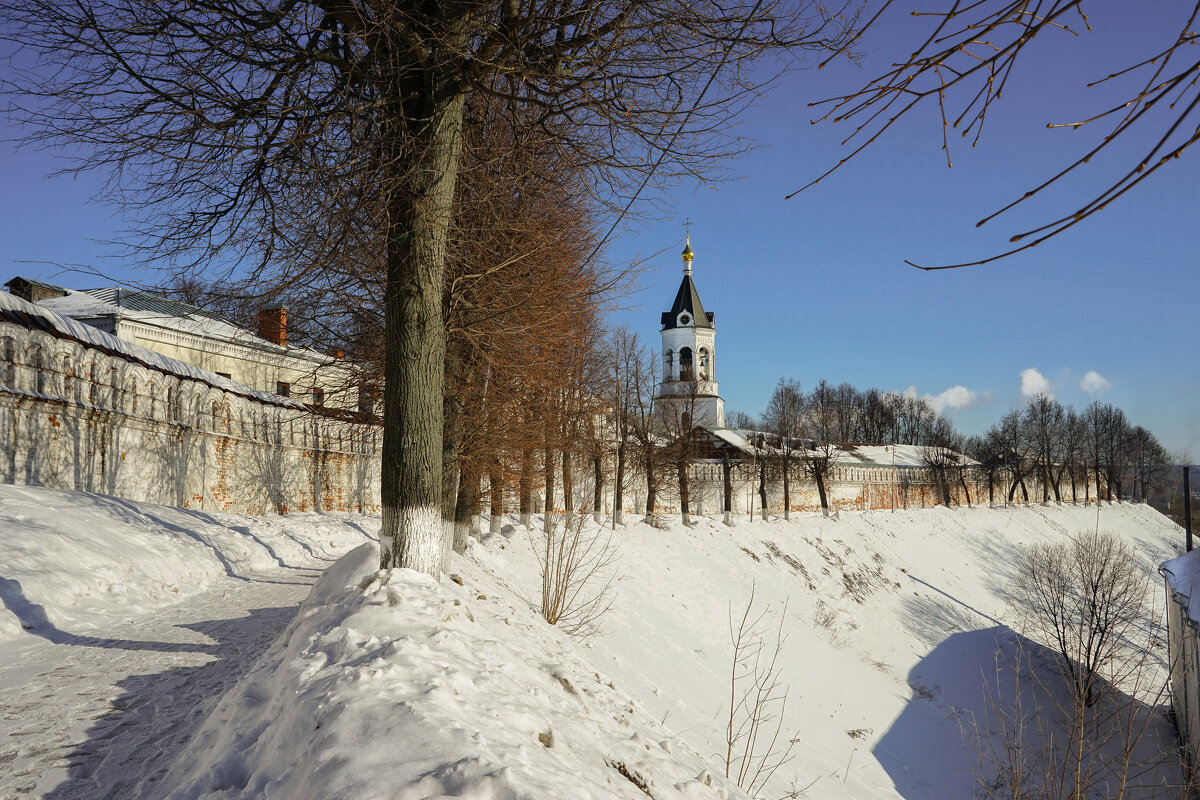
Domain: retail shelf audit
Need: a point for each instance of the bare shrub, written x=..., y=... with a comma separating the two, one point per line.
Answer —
x=1081, y=598
x=1079, y=712
x=1037, y=739
x=576, y=564
x=755, y=743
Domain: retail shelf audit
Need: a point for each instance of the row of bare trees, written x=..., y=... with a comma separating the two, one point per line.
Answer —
x=1043, y=443
x=1056, y=446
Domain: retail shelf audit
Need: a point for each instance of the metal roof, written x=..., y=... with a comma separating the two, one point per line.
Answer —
x=138, y=300
x=687, y=299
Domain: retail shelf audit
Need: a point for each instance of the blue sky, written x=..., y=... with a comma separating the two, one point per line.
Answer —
x=816, y=286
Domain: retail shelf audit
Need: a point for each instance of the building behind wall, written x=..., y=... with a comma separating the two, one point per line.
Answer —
x=262, y=360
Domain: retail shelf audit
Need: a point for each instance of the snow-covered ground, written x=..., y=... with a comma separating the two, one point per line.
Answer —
x=392, y=685
x=122, y=623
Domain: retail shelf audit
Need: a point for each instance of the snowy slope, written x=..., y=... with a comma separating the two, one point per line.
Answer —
x=392, y=685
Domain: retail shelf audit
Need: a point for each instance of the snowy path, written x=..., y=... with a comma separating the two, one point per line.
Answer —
x=101, y=715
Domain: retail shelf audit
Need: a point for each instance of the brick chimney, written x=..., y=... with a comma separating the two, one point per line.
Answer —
x=272, y=324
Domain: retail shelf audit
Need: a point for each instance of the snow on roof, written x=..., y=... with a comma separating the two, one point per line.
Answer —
x=1182, y=574
x=900, y=455
x=40, y=317
x=852, y=455
x=731, y=436
x=152, y=309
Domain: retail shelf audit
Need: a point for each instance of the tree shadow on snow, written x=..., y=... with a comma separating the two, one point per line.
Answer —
x=130, y=747
x=977, y=692
x=33, y=618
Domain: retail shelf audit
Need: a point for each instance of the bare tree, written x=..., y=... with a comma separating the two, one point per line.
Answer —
x=577, y=576
x=223, y=125
x=964, y=61
x=986, y=449
x=1148, y=461
x=627, y=361
x=1082, y=598
x=823, y=454
x=943, y=454
x=1045, y=423
x=646, y=431
x=755, y=743
x=677, y=414
x=784, y=417
x=1108, y=434
x=1015, y=448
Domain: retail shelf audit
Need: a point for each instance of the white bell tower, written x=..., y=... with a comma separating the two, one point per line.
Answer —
x=689, y=348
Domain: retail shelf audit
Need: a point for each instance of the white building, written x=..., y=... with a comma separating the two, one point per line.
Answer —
x=262, y=360
x=689, y=348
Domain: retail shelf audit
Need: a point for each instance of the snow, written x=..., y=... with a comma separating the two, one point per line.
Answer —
x=1181, y=574
x=74, y=561
x=389, y=684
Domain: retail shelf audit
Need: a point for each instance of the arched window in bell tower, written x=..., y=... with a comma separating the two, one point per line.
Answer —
x=703, y=365
x=686, y=372
x=668, y=373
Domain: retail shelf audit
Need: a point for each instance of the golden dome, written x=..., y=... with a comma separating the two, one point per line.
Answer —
x=687, y=254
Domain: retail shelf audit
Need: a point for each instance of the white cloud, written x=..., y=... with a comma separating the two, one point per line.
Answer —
x=1094, y=383
x=1034, y=383
x=955, y=398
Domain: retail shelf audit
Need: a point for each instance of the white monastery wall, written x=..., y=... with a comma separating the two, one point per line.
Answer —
x=74, y=417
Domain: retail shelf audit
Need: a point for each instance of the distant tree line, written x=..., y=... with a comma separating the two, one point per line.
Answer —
x=1043, y=442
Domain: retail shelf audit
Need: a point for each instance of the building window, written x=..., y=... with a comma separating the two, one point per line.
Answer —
x=318, y=396
x=283, y=389
x=39, y=367
x=10, y=363
x=668, y=372
x=704, y=363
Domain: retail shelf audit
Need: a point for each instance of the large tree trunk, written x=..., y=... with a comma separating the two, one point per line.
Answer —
x=819, y=476
x=466, y=505
x=762, y=488
x=651, y=490
x=496, y=496
x=548, y=504
x=787, y=494
x=962, y=479
x=727, y=469
x=525, y=488
x=598, y=487
x=619, y=488
x=422, y=139
x=681, y=468
x=943, y=485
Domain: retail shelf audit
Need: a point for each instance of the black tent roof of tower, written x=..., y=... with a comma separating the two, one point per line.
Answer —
x=688, y=299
